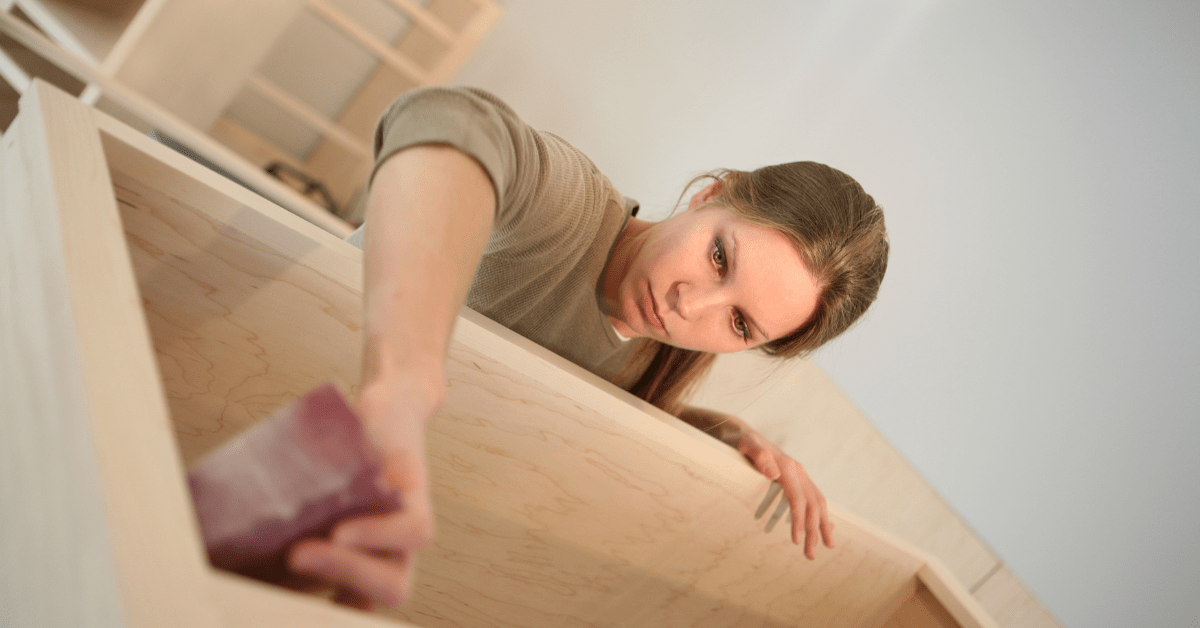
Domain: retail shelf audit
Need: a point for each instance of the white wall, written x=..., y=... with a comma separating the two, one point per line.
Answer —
x=1035, y=351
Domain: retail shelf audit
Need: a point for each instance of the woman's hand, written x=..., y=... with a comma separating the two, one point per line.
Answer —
x=371, y=559
x=810, y=515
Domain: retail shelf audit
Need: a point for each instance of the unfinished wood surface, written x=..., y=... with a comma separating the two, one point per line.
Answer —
x=98, y=525
x=850, y=460
x=952, y=597
x=429, y=46
x=250, y=145
x=55, y=544
x=1006, y=599
x=196, y=54
x=11, y=72
x=559, y=500
x=922, y=610
x=266, y=89
x=526, y=531
x=145, y=530
x=244, y=603
x=386, y=54
x=82, y=29
x=31, y=64
x=8, y=104
x=137, y=111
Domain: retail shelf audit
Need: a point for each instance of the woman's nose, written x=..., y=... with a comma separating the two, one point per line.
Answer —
x=692, y=300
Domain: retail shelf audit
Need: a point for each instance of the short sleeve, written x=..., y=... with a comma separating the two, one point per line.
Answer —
x=470, y=120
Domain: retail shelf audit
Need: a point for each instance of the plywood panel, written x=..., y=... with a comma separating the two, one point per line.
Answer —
x=136, y=110
x=1007, y=599
x=89, y=31
x=194, y=56
x=800, y=408
x=559, y=499
x=55, y=544
x=155, y=553
x=922, y=610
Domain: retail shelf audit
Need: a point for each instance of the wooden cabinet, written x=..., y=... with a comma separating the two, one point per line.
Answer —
x=293, y=82
x=188, y=56
x=151, y=309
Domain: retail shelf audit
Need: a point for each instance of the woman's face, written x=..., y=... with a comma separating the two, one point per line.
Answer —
x=708, y=280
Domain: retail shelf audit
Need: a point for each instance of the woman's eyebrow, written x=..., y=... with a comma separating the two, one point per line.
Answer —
x=762, y=334
x=733, y=268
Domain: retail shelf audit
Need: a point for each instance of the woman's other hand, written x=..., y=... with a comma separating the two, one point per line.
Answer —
x=810, y=515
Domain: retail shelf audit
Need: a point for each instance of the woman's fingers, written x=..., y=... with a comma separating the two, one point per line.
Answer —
x=365, y=577
x=761, y=455
x=810, y=513
x=812, y=521
x=826, y=522
x=810, y=516
x=391, y=533
x=793, y=490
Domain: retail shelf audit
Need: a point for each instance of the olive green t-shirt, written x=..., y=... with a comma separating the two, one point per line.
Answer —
x=557, y=218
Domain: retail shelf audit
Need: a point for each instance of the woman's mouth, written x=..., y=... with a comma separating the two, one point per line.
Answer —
x=650, y=312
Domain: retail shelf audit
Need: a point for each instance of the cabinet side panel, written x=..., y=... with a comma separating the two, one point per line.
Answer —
x=55, y=548
x=922, y=610
x=159, y=563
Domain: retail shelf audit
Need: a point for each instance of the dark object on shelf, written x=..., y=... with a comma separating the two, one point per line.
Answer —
x=315, y=190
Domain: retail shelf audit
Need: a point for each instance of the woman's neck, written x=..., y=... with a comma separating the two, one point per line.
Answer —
x=624, y=251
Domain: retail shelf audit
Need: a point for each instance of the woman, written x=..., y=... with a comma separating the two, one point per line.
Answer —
x=469, y=205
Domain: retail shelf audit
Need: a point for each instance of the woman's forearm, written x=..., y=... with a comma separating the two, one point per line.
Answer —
x=430, y=211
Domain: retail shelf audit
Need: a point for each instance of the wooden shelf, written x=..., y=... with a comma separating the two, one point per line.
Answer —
x=335, y=70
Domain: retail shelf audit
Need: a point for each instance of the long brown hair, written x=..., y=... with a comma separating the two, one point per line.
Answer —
x=841, y=236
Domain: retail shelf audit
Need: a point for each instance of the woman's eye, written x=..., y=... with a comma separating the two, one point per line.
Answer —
x=742, y=328
x=718, y=254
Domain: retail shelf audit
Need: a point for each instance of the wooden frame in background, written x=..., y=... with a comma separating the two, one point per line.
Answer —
x=218, y=66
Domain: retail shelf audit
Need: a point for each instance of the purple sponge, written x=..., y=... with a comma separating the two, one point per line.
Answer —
x=290, y=477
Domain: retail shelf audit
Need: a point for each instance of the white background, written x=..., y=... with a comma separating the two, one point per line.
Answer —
x=1035, y=351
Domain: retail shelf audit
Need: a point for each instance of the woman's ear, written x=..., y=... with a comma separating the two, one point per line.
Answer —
x=706, y=194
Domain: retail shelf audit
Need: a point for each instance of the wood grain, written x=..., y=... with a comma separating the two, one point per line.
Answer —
x=55, y=544
x=195, y=55
x=922, y=610
x=559, y=499
x=135, y=110
x=437, y=48
x=853, y=464
x=252, y=604
x=156, y=558
x=213, y=298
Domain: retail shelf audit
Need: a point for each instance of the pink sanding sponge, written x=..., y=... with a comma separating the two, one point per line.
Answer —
x=290, y=477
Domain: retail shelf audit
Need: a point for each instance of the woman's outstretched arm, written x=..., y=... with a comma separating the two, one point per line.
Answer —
x=810, y=515
x=430, y=210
